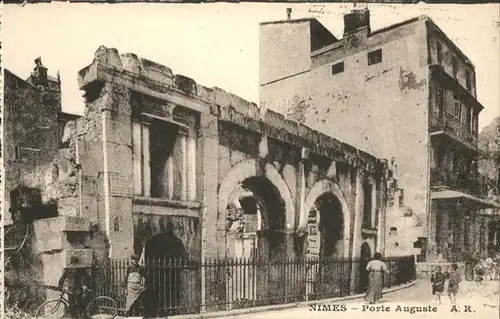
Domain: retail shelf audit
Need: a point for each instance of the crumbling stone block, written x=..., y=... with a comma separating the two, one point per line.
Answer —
x=108, y=56
x=130, y=63
x=156, y=72
x=185, y=84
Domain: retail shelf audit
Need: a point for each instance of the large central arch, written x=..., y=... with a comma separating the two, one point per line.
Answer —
x=327, y=186
x=247, y=169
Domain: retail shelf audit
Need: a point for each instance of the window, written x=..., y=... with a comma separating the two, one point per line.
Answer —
x=469, y=119
x=367, y=207
x=17, y=153
x=456, y=111
x=375, y=57
x=468, y=83
x=439, y=103
x=164, y=159
x=475, y=122
x=439, y=53
x=454, y=66
x=338, y=68
x=393, y=231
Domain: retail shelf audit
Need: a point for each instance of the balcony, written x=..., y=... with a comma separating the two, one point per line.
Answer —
x=439, y=75
x=448, y=126
x=462, y=182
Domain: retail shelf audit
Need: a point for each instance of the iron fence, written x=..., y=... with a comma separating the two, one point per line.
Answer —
x=176, y=286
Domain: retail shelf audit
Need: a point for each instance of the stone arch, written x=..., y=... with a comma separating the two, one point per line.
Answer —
x=327, y=186
x=247, y=169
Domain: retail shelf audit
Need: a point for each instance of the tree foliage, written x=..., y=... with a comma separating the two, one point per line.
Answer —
x=489, y=158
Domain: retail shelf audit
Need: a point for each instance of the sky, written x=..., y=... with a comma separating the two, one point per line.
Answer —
x=217, y=44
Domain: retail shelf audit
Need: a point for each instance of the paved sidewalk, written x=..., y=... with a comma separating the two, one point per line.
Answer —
x=413, y=302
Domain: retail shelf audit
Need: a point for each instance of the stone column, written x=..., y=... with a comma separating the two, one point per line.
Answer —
x=146, y=159
x=191, y=164
x=118, y=168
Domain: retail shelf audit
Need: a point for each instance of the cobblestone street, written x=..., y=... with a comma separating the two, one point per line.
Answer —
x=417, y=296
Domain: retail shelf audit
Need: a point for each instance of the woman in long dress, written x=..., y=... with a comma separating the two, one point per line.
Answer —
x=376, y=269
x=135, y=285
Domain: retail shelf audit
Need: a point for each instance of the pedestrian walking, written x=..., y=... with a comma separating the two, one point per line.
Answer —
x=438, y=279
x=453, y=283
x=376, y=269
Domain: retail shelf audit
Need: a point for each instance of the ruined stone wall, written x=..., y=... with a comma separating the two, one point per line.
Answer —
x=384, y=104
x=31, y=137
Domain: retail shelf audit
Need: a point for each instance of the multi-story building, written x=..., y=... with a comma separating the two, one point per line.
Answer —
x=404, y=92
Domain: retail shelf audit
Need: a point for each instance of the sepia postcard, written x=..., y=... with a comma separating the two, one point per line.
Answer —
x=250, y=160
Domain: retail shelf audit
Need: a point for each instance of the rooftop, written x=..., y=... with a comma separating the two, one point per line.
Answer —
x=385, y=29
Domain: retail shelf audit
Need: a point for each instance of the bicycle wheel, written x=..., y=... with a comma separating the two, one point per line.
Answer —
x=102, y=307
x=51, y=309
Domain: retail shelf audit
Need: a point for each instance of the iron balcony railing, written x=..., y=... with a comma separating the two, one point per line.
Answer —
x=178, y=288
x=450, y=125
x=466, y=182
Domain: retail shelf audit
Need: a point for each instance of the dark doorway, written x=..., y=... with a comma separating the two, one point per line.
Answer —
x=164, y=255
x=267, y=199
x=331, y=225
x=365, y=256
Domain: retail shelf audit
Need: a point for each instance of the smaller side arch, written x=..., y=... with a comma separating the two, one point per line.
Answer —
x=327, y=186
x=246, y=169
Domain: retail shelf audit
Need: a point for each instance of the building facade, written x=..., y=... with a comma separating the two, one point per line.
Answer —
x=405, y=93
x=161, y=166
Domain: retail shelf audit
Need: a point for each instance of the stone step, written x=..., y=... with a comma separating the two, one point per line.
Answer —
x=61, y=224
x=56, y=241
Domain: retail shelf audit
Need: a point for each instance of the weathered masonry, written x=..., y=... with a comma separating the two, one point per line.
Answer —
x=161, y=166
x=172, y=168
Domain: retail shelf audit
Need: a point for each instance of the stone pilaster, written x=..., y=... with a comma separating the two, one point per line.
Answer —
x=358, y=218
x=212, y=224
x=212, y=234
x=117, y=169
x=382, y=218
x=304, y=155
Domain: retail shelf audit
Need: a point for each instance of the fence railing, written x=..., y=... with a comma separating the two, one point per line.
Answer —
x=186, y=287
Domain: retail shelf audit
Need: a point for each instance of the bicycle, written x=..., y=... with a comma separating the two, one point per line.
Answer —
x=58, y=308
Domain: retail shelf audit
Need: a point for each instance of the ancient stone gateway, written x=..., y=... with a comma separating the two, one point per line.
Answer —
x=167, y=168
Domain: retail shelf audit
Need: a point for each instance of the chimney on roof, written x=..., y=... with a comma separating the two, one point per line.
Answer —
x=357, y=20
x=288, y=13
x=40, y=72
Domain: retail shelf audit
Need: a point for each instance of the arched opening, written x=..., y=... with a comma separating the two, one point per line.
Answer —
x=326, y=231
x=365, y=256
x=331, y=225
x=162, y=255
x=254, y=205
x=326, y=201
